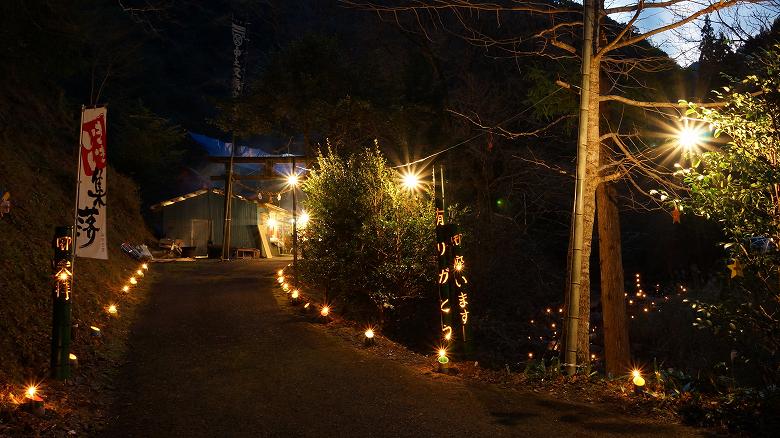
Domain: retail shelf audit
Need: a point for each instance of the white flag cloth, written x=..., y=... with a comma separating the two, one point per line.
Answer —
x=91, y=240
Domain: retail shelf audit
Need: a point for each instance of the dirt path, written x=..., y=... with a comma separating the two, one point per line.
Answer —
x=214, y=355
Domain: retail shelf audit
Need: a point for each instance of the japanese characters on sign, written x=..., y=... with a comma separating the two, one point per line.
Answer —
x=451, y=280
x=91, y=240
x=239, y=53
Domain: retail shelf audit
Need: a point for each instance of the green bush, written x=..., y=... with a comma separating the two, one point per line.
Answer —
x=737, y=183
x=369, y=242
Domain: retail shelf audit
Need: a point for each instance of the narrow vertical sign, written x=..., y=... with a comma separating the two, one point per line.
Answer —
x=91, y=240
x=453, y=285
x=238, y=30
x=443, y=251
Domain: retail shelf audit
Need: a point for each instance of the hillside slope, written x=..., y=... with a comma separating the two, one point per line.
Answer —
x=37, y=166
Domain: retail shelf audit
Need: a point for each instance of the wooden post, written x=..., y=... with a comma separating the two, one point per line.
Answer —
x=61, y=297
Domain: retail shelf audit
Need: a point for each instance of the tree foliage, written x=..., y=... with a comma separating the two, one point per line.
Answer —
x=368, y=241
x=738, y=185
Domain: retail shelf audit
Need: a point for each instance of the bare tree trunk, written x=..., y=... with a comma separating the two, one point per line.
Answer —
x=592, y=160
x=613, y=303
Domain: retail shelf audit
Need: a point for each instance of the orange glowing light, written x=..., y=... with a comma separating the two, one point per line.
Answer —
x=280, y=273
x=530, y=355
x=442, y=352
x=72, y=356
x=637, y=380
x=133, y=280
x=295, y=294
x=280, y=279
x=325, y=311
x=369, y=333
x=125, y=288
x=31, y=391
x=140, y=273
x=144, y=266
x=63, y=276
x=112, y=309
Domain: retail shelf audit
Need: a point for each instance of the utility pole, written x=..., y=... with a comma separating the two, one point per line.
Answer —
x=295, y=224
x=227, y=224
x=575, y=270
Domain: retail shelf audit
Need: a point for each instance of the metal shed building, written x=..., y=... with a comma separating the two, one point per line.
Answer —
x=197, y=218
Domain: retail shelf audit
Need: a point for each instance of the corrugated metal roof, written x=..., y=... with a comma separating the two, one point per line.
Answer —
x=198, y=193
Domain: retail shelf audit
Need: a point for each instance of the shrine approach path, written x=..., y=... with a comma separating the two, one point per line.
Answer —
x=214, y=353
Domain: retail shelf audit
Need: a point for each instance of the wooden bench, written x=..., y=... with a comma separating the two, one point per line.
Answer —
x=247, y=253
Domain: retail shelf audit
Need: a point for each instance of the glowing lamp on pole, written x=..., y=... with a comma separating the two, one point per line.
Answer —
x=410, y=180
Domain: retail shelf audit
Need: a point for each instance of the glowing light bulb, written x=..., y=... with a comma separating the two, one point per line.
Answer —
x=303, y=219
x=442, y=352
x=112, y=309
x=292, y=180
x=280, y=279
x=125, y=288
x=31, y=391
x=295, y=294
x=72, y=356
x=306, y=306
x=689, y=138
x=637, y=380
x=140, y=273
x=325, y=311
x=411, y=181
x=133, y=280
x=530, y=355
x=369, y=333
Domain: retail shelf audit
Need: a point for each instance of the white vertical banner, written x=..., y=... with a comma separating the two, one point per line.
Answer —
x=91, y=240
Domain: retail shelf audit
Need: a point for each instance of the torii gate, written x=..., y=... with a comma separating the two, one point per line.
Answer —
x=268, y=174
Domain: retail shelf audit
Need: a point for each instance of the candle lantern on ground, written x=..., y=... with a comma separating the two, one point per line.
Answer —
x=33, y=402
x=369, y=337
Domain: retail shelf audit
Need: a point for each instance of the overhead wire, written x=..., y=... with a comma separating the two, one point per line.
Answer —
x=478, y=135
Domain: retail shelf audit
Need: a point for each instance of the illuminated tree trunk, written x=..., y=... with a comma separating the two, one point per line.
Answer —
x=613, y=303
x=592, y=160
